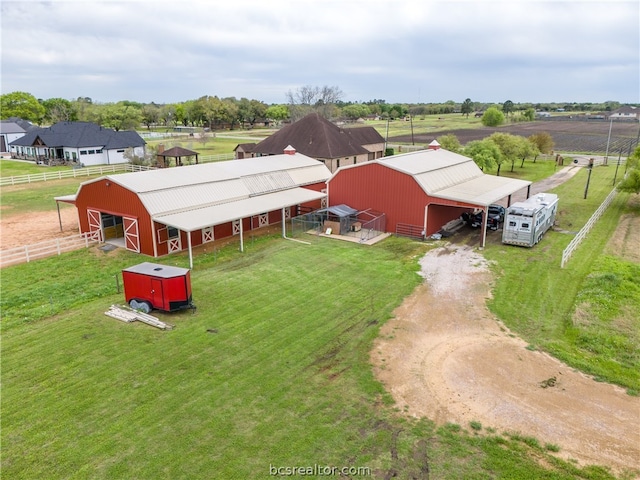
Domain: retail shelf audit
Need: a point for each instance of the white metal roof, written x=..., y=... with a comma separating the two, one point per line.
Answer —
x=174, y=190
x=199, y=218
x=166, y=178
x=483, y=190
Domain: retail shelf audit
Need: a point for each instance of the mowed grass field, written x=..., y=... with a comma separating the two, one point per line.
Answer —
x=273, y=371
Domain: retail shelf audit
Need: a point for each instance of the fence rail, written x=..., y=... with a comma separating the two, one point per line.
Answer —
x=36, y=251
x=72, y=173
x=566, y=254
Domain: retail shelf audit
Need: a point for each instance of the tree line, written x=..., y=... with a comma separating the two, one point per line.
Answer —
x=214, y=112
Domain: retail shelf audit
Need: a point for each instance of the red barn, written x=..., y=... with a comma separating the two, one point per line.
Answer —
x=162, y=211
x=421, y=191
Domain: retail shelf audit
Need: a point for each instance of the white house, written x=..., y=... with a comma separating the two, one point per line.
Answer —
x=82, y=143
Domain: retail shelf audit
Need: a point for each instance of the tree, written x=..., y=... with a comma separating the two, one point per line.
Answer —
x=527, y=149
x=150, y=115
x=543, y=141
x=355, y=111
x=507, y=107
x=631, y=181
x=485, y=153
x=492, y=117
x=59, y=110
x=509, y=145
x=529, y=114
x=308, y=98
x=277, y=112
x=22, y=105
x=467, y=107
x=120, y=116
x=450, y=142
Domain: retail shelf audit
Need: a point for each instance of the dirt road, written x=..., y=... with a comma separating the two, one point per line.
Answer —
x=445, y=357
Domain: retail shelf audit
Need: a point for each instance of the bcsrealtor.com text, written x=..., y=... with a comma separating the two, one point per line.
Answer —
x=317, y=471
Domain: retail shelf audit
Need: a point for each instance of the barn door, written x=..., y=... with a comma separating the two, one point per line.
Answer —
x=131, y=234
x=95, y=225
x=263, y=220
x=236, y=227
x=287, y=213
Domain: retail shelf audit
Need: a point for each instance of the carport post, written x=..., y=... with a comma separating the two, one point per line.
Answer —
x=190, y=250
x=59, y=217
x=241, y=239
x=284, y=225
x=484, y=226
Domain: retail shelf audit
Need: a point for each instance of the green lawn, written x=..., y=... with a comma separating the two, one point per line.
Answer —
x=11, y=168
x=272, y=370
x=537, y=299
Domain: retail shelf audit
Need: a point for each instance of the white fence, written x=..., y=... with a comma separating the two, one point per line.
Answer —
x=72, y=173
x=28, y=253
x=566, y=254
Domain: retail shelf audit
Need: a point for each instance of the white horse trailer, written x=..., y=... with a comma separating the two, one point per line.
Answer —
x=526, y=222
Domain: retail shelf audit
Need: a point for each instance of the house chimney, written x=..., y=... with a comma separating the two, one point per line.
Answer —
x=159, y=158
x=289, y=150
x=434, y=145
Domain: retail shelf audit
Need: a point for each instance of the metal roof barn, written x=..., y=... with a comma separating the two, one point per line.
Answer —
x=421, y=190
x=162, y=211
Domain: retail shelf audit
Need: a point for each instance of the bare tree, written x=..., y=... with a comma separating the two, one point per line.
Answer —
x=310, y=98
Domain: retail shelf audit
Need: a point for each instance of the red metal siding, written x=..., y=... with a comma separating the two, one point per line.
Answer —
x=394, y=193
x=109, y=197
x=375, y=186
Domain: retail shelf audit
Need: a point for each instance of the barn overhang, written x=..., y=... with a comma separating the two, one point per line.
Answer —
x=197, y=219
x=482, y=191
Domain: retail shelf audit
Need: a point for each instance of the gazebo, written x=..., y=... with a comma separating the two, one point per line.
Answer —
x=177, y=153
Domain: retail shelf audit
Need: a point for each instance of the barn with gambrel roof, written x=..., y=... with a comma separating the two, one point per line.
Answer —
x=420, y=191
x=162, y=211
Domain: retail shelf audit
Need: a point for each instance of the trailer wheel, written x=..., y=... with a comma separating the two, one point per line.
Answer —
x=145, y=307
x=134, y=304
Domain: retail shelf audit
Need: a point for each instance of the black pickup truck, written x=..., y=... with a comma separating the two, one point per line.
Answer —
x=494, y=220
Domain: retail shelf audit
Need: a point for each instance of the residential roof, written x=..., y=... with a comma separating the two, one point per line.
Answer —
x=317, y=137
x=80, y=134
x=180, y=189
x=448, y=175
x=24, y=124
x=10, y=127
x=245, y=147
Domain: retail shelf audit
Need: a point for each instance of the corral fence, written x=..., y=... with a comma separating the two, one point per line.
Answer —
x=49, y=248
x=410, y=231
x=72, y=173
x=566, y=254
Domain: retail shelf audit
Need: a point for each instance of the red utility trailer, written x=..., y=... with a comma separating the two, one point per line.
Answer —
x=149, y=285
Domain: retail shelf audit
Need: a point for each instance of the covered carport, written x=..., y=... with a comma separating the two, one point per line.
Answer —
x=197, y=219
x=481, y=192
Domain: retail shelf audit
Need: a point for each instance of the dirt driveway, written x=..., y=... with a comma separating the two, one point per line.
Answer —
x=446, y=357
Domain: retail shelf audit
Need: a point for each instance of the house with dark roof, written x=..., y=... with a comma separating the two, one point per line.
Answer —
x=82, y=143
x=317, y=137
x=12, y=129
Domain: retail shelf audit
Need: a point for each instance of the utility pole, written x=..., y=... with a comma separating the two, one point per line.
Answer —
x=586, y=189
x=606, y=155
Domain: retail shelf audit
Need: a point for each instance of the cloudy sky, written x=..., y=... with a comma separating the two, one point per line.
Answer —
x=396, y=50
